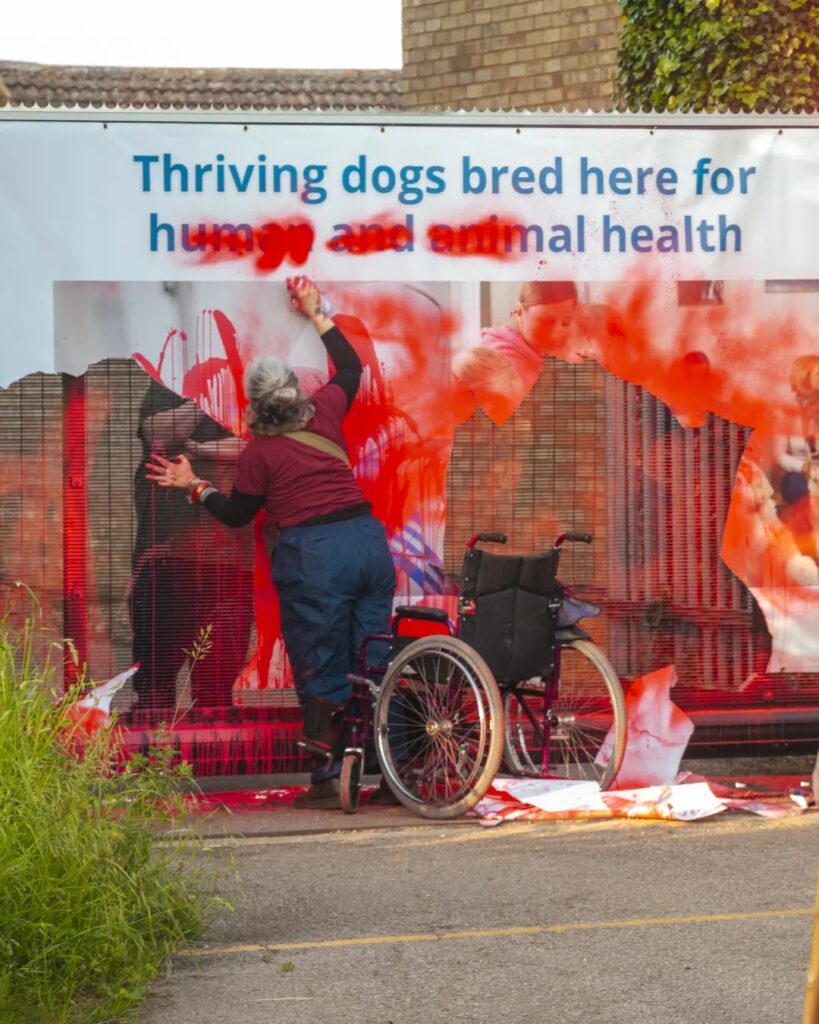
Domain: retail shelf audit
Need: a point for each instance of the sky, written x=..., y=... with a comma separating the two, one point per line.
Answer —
x=206, y=33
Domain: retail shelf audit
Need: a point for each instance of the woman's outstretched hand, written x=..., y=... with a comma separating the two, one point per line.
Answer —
x=167, y=473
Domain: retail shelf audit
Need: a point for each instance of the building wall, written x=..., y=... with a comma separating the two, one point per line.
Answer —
x=541, y=472
x=509, y=53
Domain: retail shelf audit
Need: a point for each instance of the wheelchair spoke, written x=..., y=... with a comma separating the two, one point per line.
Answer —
x=585, y=706
x=434, y=726
x=452, y=752
x=420, y=690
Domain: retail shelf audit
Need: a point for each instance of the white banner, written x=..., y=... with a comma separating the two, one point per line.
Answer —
x=456, y=200
x=462, y=252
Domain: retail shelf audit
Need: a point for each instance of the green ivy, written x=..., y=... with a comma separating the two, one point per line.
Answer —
x=708, y=54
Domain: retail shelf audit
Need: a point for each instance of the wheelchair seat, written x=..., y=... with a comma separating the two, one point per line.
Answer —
x=507, y=611
x=406, y=612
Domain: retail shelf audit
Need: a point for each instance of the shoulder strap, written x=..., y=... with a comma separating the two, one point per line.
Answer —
x=323, y=444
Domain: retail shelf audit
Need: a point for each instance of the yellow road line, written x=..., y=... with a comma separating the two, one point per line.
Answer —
x=645, y=922
x=497, y=933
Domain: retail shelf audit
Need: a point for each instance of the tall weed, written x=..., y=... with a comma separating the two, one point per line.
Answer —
x=90, y=902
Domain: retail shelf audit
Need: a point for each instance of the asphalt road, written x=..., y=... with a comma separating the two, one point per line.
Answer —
x=611, y=922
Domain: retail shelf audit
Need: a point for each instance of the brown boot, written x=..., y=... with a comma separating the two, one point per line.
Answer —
x=321, y=720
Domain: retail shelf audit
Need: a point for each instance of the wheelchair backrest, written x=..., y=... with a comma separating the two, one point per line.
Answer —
x=507, y=611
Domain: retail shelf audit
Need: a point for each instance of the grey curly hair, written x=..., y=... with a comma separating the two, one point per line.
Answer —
x=277, y=403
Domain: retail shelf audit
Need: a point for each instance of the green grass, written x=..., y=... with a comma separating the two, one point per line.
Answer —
x=91, y=904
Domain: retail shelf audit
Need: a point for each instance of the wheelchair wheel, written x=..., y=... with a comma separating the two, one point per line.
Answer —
x=350, y=782
x=585, y=722
x=438, y=727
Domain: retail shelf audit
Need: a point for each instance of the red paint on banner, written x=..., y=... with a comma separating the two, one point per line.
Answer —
x=230, y=343
x=265, y=602
x=399, y=431
x=738, y=361
x=75, y=524
x=148, y=366
x=269, y=244
x=719, y=359
x=497, y=237
x=199, y=376
x=380, y=233
x=400, y=428
x=84, y=722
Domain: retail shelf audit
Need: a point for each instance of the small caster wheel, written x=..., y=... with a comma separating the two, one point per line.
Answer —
x=350, y=781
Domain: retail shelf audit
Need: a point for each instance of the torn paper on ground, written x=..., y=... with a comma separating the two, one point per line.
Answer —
x=510, y=799
x=657, y=733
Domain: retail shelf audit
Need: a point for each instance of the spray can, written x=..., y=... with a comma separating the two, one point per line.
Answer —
x=295, y=283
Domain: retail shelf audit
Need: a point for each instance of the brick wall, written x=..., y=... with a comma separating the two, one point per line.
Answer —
x=509, y=53
x=542, y=471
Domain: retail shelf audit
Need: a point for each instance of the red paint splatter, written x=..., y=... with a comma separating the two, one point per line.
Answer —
x=399, y=429
x=734, y=359
x=148, y=366
x=497, y=237
x=719, y=360
x=270, y=244
x=380, y=233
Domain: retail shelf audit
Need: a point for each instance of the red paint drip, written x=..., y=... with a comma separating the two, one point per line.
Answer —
x=75, y=524
x=196, y=380
x=148, y=366
x=227, y=333
x=265, y=602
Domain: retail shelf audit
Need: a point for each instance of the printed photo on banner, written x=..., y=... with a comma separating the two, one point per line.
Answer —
x=192, y=343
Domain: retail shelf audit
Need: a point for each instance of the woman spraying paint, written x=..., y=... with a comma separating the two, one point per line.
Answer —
x=331, y=565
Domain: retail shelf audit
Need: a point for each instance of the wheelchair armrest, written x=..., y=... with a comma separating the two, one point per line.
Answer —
x=405, y=611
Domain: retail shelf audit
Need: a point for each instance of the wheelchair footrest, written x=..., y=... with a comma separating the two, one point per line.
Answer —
x=315, y=747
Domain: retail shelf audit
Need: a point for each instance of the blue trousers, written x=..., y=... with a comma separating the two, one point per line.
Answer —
x=336, y=583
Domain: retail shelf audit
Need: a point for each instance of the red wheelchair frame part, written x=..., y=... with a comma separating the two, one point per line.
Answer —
x=406, y=625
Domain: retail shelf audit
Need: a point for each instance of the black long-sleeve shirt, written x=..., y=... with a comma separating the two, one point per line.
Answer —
x=238, y=509
x=346, y=362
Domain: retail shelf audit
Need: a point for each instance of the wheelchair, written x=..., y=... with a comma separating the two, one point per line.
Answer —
x=519, y=683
